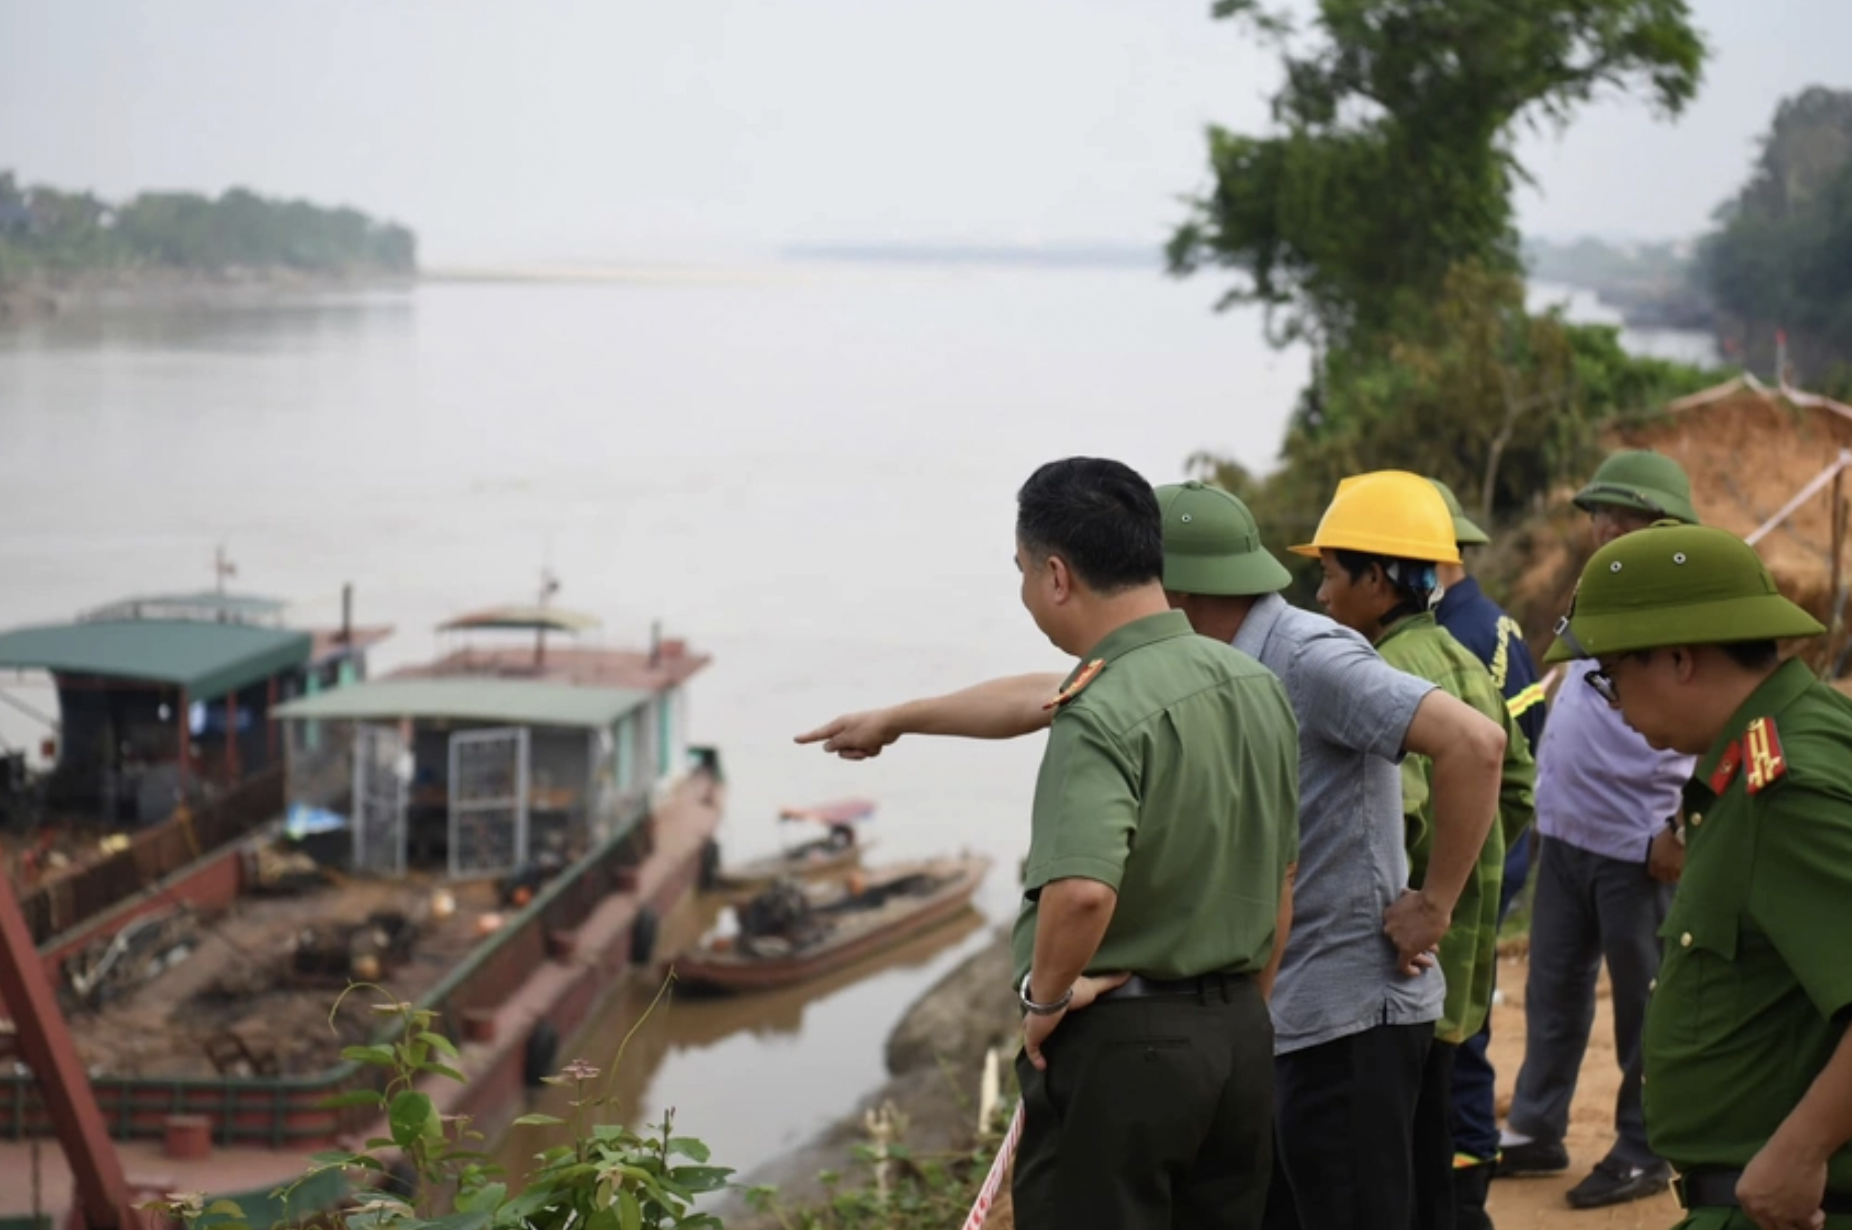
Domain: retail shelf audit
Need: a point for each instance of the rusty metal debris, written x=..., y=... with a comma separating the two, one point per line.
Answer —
x=141, y=951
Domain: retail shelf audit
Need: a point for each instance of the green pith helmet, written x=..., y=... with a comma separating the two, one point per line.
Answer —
x=1212, y=546
x=1672, y=584
x=1642, y=480
x=1465, y=532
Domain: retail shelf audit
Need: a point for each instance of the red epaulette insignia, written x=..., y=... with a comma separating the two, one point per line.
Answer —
x=1762, y=758
x=1727, y=765
x=1087, y=675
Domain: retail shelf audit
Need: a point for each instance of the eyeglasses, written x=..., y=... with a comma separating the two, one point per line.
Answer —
x=1603, y=680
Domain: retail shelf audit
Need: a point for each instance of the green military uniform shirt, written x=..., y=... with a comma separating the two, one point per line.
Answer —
x=1756, y=985
x=1173, y=777
x=1424, y=649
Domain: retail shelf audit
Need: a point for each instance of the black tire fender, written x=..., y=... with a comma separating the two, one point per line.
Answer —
x=643, y=936
x=540, y=1054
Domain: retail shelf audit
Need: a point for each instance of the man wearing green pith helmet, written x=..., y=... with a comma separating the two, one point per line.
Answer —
x=1603, y=885
x=1748, y=1061
x=1355, y=996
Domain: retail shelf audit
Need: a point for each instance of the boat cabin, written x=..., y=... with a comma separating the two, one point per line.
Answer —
x=485, y=762
x=168, y=697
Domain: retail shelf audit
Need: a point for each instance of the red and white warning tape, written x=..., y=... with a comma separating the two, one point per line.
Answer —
x=993, y=1182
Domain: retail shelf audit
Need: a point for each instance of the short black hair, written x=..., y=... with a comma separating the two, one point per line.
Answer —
x=1753, y=655
x=1412, y=580
x=1098, y=515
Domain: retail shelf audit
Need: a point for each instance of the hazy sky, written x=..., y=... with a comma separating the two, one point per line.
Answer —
x=629, y=129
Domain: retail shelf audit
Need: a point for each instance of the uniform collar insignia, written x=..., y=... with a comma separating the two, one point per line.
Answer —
x=1727, y=765
x=1762, y=756
x=1086, y=675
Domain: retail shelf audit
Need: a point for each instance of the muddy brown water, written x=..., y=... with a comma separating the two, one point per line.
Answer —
x=811, y=477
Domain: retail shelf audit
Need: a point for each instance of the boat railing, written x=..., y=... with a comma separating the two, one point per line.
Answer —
x=58, y=907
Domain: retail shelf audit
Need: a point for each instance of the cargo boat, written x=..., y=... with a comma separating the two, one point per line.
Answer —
x=550, y=797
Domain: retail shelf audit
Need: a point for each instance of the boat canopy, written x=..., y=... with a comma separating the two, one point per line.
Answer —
x=522, y=618
x=837, y=811
x=208, y=659
x=208, y=606
x=515, y=702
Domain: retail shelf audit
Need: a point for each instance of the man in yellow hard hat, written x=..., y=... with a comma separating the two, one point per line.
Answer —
x=1379, y=543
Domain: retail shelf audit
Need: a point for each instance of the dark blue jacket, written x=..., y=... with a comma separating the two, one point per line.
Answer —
x=1494, y=638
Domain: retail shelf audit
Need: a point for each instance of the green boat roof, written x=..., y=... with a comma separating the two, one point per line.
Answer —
x=516, y=702
x=207, y=659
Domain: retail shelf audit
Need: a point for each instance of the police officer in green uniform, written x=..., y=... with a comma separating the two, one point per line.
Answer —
x=1165, y=818
x=1748, y=1065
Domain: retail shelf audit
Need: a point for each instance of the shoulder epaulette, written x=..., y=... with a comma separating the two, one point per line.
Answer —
x=1086, y=675
x=1762, y=759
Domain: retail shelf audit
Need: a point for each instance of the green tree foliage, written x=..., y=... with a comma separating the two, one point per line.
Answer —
x=47, y=229
x=1375, y=223
x=1781, y=257
x=1393, y=161
x=1501, y=404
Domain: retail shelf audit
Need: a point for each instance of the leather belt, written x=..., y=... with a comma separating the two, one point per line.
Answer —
x=1140, y=987
x=1716, y=1189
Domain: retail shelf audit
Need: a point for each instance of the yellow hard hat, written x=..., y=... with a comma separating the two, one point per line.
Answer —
x=1388, y=512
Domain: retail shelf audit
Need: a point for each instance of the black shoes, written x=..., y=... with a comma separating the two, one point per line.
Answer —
x=1469, y=1192
x=1613, y=1182
x=1533, y=1157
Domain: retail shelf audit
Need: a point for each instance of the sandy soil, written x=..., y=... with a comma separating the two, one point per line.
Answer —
x=1747, y=456
x=1537, y=1204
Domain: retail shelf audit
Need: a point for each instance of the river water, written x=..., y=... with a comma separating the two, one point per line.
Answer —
x=807, y=471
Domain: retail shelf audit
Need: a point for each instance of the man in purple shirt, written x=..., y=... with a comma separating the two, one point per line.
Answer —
x=1606, y=865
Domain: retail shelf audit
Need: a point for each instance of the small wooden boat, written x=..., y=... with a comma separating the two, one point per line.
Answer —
x=792, y=931
x=837, y=850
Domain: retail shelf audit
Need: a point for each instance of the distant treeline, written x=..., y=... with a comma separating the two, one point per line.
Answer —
x=49, y=231
x=1781, y=258
x=1778, y=263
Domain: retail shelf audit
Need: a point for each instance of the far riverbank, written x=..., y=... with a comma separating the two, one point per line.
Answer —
x=43, y=296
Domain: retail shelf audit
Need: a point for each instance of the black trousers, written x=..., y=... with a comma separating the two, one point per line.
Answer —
x=1344, y=1126
x=1433, y=1151
x=1153, y=1114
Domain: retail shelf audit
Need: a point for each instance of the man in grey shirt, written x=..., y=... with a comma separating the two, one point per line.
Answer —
x=1354, y=994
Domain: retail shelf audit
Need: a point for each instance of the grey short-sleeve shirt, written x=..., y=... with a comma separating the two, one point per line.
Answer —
x=1339, y=974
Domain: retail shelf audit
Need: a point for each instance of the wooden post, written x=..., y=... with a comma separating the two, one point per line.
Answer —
x=231, y=739
x=45, y=1043
x=186, y=739
x=270, y=725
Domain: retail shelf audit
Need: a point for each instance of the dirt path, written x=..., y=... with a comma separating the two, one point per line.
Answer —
x=1537, y=1204
x=1532, y=1204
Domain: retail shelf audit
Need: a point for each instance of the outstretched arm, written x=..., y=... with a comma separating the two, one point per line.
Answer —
x=998, y=709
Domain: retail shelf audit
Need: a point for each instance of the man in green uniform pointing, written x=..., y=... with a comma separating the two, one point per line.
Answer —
x=1166, y=816
x=1748, y=1066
